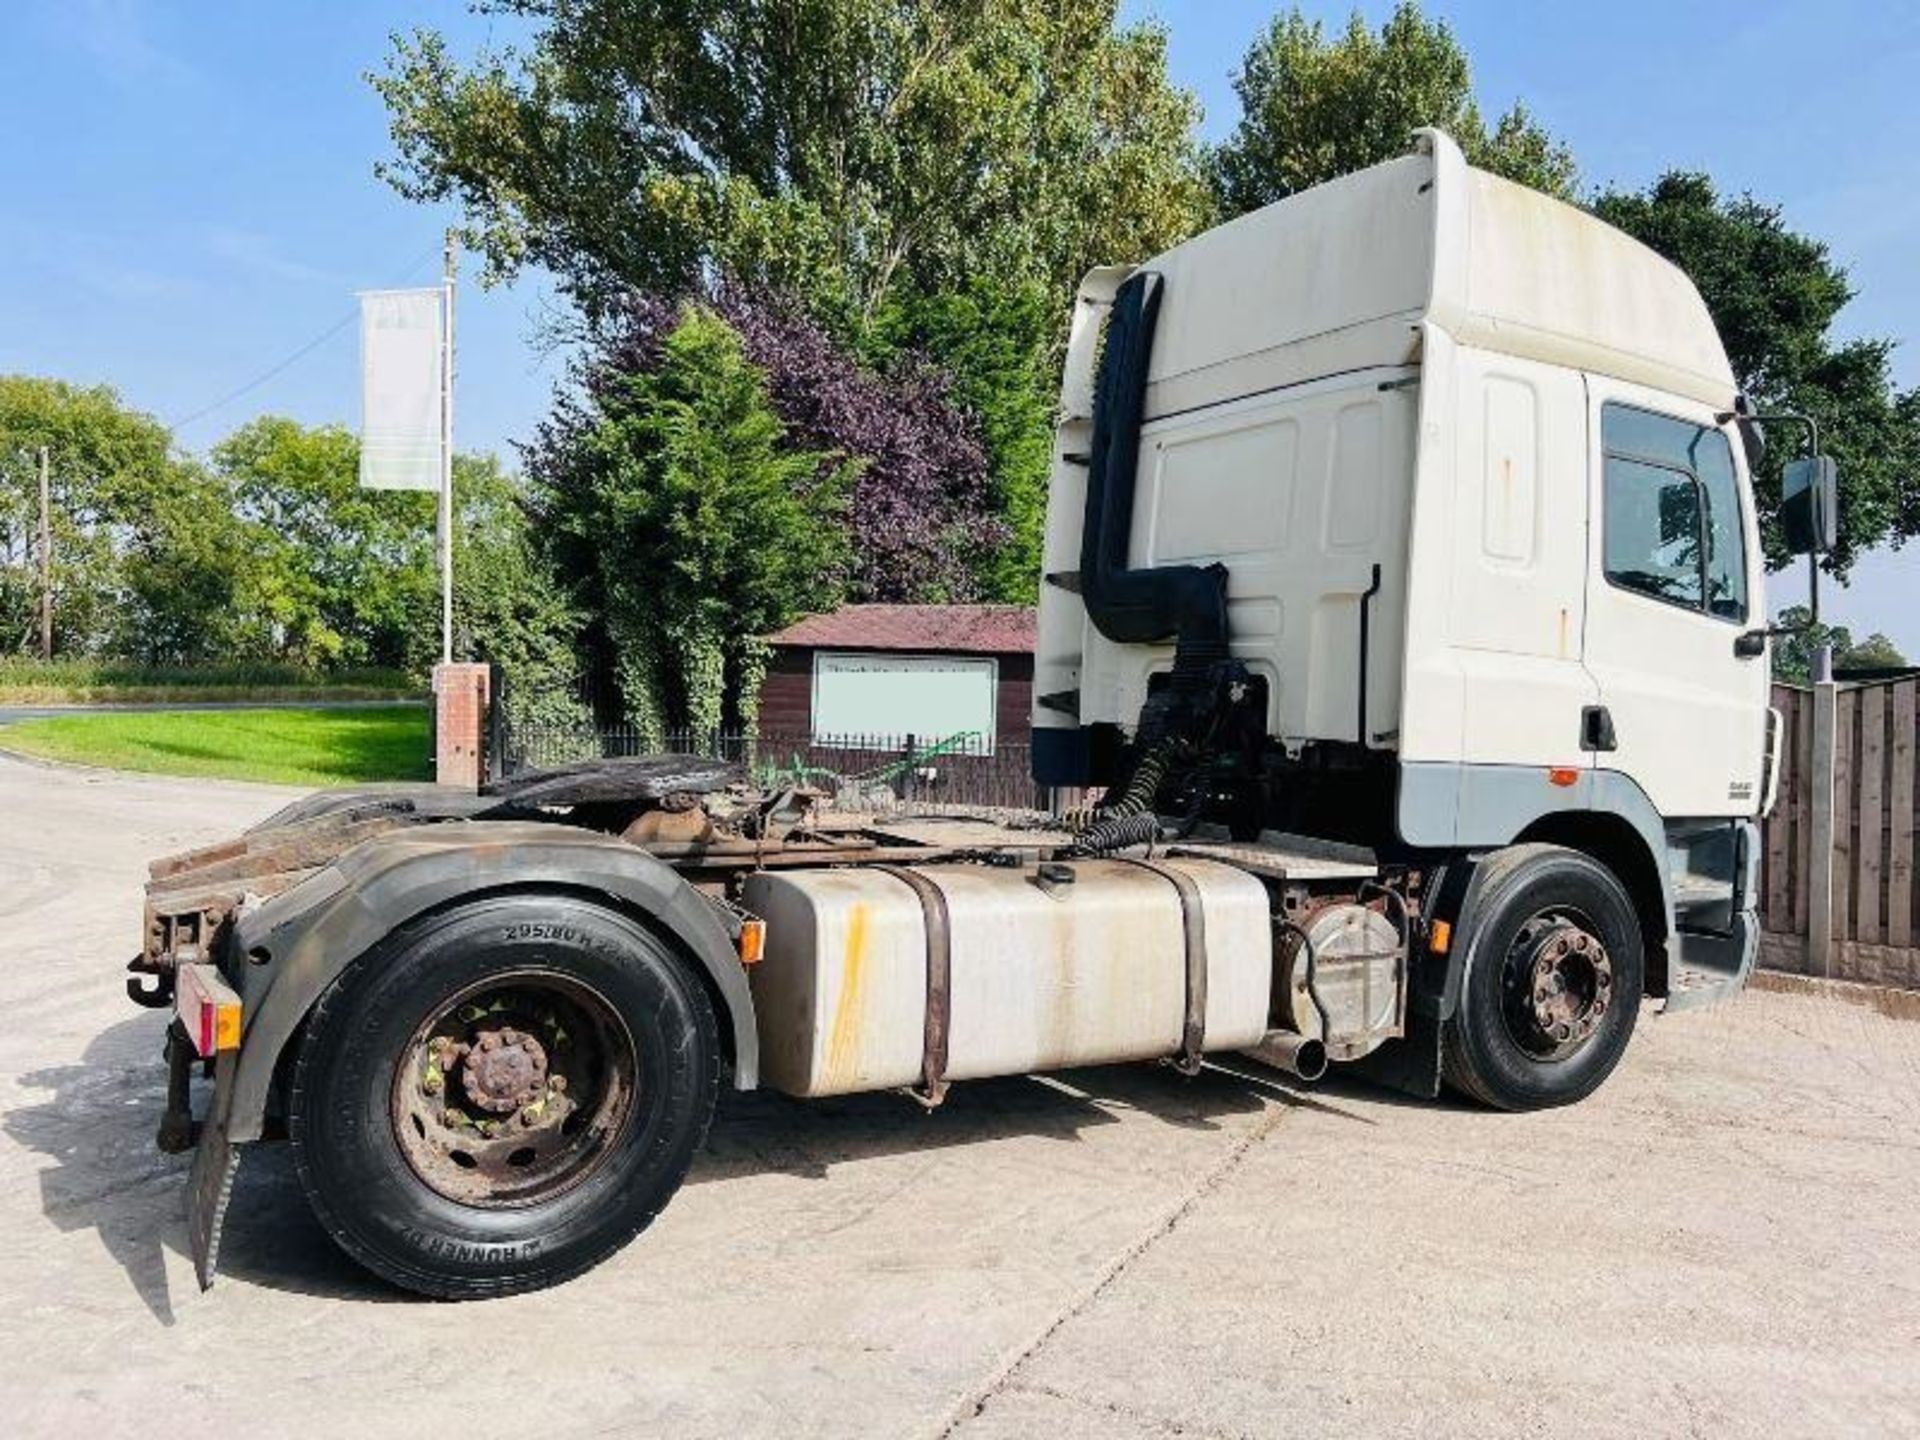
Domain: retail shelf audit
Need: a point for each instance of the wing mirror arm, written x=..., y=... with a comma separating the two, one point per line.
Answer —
x=1809, y=518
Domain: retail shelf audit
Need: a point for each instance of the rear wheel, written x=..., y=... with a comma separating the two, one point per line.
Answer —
x=1553, y=982
x=501, y=1096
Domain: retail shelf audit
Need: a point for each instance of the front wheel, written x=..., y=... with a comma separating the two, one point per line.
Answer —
x=501, y=1096
x=1554, y=977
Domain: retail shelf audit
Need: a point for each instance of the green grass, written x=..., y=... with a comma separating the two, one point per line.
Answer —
x=25, y=681
x=292, y=747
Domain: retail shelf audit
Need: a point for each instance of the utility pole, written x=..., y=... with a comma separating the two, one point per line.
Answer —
x=452, y=260
x=46, y=557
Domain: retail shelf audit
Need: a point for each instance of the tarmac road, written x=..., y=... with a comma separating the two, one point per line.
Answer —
x=1724, y=1241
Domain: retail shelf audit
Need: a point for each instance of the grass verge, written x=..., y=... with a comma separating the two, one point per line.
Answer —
x=25, y=681
x=291, y=747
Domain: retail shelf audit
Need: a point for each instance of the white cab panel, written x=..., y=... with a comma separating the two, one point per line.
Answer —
x=1518, y=560
x=1300, y=493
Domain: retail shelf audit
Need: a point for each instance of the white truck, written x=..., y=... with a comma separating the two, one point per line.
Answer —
x=1403, y=604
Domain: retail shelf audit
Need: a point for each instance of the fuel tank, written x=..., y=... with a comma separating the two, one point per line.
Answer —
x=1044, y=974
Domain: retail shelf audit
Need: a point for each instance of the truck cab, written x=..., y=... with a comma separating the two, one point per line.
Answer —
x=1472, y=465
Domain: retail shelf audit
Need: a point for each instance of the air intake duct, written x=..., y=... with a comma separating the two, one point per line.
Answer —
x=1185, y=603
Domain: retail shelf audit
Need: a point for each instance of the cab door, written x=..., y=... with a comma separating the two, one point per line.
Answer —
x=1673, y=581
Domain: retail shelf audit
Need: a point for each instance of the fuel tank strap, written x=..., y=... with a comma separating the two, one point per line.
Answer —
x=933, y=904
x=1193, y=922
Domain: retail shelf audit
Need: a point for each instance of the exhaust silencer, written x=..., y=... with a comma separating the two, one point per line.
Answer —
x=1299, y=1055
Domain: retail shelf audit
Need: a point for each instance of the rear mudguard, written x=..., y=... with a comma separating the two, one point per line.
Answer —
x=289, y=949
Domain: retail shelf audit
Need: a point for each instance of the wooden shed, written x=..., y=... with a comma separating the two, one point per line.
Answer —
x=940, y=673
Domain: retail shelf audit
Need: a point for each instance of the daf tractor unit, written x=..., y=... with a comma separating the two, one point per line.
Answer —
x=1403, y=607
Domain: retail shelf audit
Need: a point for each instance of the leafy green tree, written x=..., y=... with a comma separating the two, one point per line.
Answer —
x=1774, y=294
x=182, y=566
x=1316, y=106
x=1876, y=652
x=108, y=464
x=1794, y=650
x=508, y=606
x=341, y=576
x=837, y=149
x=997, y=341
x=319, y=572
x=689, y=526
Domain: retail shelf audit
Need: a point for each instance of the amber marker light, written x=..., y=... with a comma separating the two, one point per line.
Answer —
x=1563, y=778
x=753, y=941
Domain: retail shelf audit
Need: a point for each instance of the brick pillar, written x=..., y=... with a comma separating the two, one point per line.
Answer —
x=460, y=723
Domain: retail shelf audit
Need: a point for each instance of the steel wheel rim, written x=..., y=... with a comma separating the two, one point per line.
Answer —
x=515, y=1089
x=1556, y=983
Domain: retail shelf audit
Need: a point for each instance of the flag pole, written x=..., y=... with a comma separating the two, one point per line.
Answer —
x=451, y=256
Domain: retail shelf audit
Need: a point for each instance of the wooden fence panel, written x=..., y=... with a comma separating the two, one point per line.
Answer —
x=1871, y=812
x=1801, y=774
x=1846, y=720
x=1901, y=797
x=1876, y=810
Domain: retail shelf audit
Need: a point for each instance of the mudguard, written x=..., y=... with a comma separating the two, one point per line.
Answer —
x=289, y=949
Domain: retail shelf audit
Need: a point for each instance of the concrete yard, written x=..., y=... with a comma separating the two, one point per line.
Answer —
x=1724, y=1241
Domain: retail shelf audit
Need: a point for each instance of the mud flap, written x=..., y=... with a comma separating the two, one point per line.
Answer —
x=216, y=1160
x=1410, y=1064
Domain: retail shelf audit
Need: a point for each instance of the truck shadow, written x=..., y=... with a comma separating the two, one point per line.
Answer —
x=98, y=1116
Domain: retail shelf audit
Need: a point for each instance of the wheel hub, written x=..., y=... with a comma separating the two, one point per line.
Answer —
x=504, y=1070
x=1571, y=980
x=513, y=1089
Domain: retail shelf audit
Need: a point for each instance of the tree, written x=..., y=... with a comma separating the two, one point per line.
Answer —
x=919, y=510
x=1794, y=649
x=184, y=558
x=837, y=149
x=338, y=575
x=997, y=342
x=109, y=464
x=313, y=570
x=672, y=499
x=1316, y=107
x=1876, y=652
x=508, y=606
x=919, y=514
x=1774, y=295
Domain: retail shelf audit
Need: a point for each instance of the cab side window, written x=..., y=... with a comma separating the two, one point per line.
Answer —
x=1672, y=512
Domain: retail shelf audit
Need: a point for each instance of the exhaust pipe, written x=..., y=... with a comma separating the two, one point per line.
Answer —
x=1299, y=1055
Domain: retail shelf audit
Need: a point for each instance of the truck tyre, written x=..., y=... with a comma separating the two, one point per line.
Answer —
x=500, y=1096
x=1553, y=981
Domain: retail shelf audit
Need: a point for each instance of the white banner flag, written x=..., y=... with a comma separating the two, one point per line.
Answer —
x=400, y=389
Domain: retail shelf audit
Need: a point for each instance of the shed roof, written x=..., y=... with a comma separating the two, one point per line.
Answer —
x=974, y=629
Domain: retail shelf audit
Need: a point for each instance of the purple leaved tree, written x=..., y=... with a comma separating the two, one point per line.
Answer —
x=922, y=524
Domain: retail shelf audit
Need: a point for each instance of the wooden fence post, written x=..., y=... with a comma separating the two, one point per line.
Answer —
x=1820, y=789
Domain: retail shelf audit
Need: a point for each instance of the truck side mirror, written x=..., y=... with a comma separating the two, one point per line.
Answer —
x=1810, y=505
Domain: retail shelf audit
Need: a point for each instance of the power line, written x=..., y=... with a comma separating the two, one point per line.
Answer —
x=296, y=357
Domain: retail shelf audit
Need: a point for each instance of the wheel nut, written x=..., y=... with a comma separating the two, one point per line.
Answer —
x=556, y=1082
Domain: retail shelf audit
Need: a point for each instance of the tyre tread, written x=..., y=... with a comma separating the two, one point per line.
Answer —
x=300, y=1096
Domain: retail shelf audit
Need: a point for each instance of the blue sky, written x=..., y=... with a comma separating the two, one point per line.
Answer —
x=191, y=198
